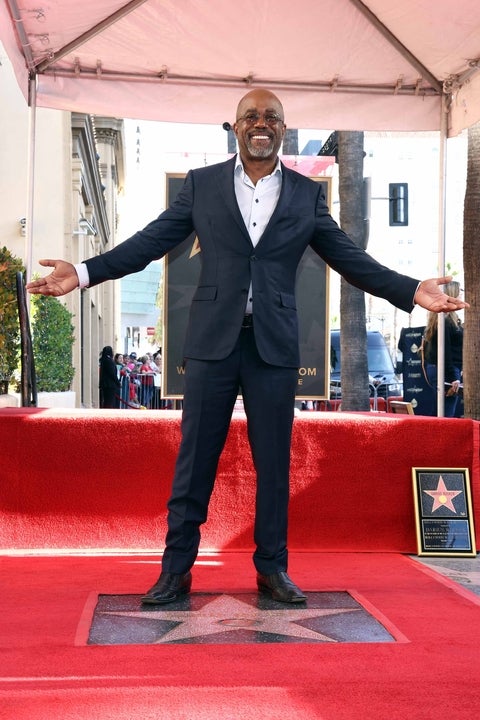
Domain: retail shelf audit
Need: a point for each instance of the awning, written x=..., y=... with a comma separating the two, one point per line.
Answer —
x=342, y=64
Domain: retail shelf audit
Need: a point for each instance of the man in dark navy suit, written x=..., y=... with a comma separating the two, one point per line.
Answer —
x=254, y=218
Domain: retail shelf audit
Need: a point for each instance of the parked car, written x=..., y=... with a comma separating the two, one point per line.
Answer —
x=383, y=379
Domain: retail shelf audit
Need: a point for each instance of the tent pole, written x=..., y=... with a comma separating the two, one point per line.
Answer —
x=32, y=101
x=441, y=252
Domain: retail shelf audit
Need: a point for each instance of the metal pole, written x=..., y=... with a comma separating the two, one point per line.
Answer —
x=441, y=255
x=32, y=101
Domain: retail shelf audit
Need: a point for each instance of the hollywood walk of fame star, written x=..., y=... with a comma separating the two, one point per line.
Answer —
x=442, y=497
x=225, y=613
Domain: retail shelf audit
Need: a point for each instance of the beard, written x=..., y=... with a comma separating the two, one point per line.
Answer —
x=263, y=150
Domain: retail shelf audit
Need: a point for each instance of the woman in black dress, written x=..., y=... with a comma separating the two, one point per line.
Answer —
x=109, y=383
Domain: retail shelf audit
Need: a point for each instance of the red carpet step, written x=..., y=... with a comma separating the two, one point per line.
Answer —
x=80, y=479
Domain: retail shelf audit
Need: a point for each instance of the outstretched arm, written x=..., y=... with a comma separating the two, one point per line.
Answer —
x=61, y=281
x=430, y=296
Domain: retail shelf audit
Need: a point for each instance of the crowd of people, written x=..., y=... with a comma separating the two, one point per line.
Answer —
x=128, y=381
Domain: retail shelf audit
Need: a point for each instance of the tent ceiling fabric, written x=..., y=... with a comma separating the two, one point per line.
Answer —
x=340, y=64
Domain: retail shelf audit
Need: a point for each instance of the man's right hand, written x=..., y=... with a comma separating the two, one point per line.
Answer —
x=61, y=281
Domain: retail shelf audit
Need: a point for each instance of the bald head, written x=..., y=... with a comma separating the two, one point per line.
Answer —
x=259, y=128
x=260, y=97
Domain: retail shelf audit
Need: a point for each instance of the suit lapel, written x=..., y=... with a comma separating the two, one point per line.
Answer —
x=289, y=184
x=227, y=189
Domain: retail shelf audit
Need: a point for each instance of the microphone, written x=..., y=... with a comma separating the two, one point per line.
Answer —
x=226, y=126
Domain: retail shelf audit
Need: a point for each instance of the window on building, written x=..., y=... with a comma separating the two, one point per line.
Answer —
x=398, y=203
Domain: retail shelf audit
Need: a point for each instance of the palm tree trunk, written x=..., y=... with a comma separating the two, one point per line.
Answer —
x=471, y=264
x=353, y=335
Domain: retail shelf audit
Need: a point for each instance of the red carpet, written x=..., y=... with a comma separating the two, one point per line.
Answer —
x=75, y=480
x=430, y=673
x=101, y=479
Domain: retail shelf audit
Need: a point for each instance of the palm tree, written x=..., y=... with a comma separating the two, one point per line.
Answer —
x=471, y=338
x=290, y=142
x=353, y=336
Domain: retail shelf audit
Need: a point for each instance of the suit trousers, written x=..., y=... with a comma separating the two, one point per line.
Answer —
x=211, y=389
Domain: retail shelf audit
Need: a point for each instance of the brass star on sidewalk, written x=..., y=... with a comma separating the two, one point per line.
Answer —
x=224, y=614
x=442, y=497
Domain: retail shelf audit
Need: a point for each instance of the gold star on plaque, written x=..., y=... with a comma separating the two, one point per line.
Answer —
x=442, y=497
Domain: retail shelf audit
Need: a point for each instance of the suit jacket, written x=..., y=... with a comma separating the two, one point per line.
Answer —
x=207, y=205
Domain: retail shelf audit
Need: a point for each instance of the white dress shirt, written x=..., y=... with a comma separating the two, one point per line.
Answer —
x=256, y=203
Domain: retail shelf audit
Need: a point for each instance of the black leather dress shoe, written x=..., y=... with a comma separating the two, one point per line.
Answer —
x=168, y=588
x=280, y=587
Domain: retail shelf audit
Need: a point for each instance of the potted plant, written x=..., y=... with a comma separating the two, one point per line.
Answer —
x=9, y=323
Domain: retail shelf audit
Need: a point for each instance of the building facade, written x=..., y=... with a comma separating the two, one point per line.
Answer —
x=68, y=211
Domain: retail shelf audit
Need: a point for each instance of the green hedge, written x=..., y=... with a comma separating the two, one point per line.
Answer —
x=9, y=322
x=52, y=339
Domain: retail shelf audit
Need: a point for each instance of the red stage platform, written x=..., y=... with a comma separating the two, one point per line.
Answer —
x=93, y=479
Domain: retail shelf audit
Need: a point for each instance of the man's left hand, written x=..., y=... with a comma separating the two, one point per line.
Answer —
x=430, y=296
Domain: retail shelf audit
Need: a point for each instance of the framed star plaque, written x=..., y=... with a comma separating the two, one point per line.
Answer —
x=443, y=512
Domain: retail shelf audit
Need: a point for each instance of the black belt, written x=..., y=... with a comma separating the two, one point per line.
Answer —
x=247, y=321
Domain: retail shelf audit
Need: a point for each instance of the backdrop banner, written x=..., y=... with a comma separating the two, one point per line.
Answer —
x=415, y=388
x=182, y=269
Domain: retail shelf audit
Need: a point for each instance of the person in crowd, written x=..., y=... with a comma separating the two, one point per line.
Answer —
x=132, y=361
x=156, y=365
x=145, y=375
x=109, y=383
x=453, y=354
x=118, y=359
x=254, y=219
x=163, y=403
x=133, y=382
x=124, y=376
x=157, y=362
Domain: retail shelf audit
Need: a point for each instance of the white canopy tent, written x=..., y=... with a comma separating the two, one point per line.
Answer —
x=342, y=64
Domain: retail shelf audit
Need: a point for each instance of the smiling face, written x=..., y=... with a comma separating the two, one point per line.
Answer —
x=259, y=126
